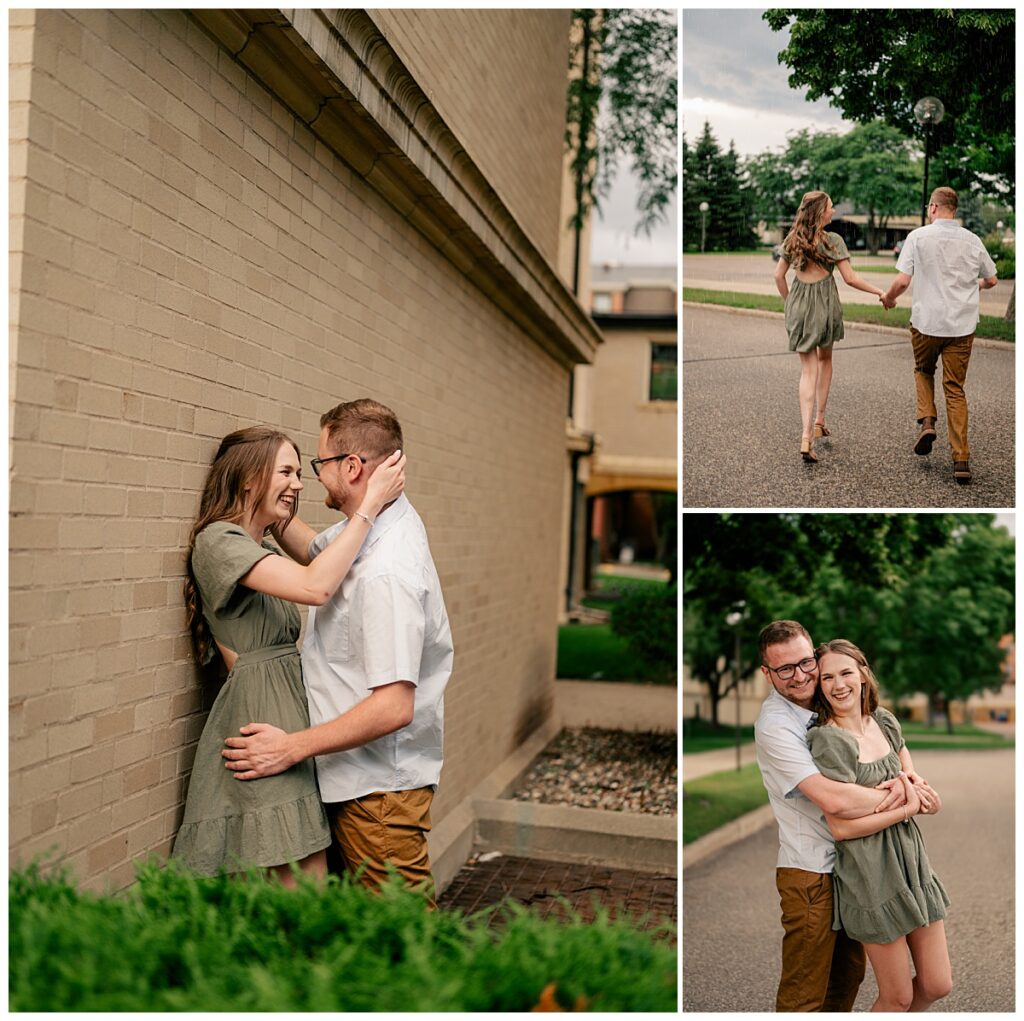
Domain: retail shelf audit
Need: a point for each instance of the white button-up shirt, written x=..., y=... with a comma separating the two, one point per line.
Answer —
x=386, y=623
x=945, y=261
x=805, y=841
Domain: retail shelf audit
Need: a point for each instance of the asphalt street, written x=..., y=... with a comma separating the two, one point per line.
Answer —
x=741, y=421
x=732, y=934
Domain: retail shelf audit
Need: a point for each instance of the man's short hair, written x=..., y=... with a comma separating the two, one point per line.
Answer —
x=945, y=197
x=779, y=631
x=364, y=427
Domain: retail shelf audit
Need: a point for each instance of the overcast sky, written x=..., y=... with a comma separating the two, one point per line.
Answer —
x=613, y=237
x=732, y=79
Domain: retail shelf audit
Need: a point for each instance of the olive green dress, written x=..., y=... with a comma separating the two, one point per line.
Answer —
x=232, y=824
x=814, y=314
x=883, y=885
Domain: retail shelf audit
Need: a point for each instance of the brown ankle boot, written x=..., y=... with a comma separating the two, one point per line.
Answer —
x=926, y=437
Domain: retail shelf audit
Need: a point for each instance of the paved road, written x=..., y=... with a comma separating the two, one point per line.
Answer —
x=705, y=763
x=752, y=274
x=741, y=422
x=732, y=936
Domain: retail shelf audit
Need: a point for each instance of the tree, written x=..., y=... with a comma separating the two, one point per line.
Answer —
x=711, y=176
x=622, y=103
x=777, y=181
x=873, y=166
x=927, y=597
x=877, y=63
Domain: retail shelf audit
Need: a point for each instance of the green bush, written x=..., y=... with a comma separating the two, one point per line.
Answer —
x=1003, y=255
x=648, y=620
x=178, y=942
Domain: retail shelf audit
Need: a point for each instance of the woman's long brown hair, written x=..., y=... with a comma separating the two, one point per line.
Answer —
x=868, y=691
x=808, y=232
x=244, y=458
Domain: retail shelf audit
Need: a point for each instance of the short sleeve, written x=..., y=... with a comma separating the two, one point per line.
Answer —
x=388, y=625
x=834, y=752
x=838, y=247
x=224, y=553
x=905, y=263
x=987, y=267
x=891, y=728
x=784, y=759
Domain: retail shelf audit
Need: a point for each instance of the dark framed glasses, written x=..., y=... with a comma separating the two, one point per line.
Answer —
x=318, y=462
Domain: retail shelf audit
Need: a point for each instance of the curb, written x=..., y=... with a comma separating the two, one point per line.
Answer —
x=724, y=836
x=899, y=331
x=586, y=836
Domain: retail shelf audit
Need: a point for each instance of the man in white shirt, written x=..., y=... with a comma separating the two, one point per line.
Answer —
x=945, y=262
x=822, y=969
x=375, y=661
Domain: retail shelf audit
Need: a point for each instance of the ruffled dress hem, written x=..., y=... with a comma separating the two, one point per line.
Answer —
x=908, y=910
x=274, y=835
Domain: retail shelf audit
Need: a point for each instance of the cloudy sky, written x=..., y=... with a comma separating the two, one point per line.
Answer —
x=732, y=79
x=614, y=238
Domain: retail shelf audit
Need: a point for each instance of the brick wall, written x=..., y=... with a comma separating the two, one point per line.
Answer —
x=498, y=78
x=187, y=260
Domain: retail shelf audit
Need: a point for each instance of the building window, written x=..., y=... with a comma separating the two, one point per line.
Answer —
x=602, y=302
x=664, y=372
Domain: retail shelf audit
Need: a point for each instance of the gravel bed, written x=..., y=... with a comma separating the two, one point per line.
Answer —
x=609, y=769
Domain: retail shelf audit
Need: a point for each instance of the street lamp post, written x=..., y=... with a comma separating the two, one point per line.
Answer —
x=927, y=111
x=703, y=207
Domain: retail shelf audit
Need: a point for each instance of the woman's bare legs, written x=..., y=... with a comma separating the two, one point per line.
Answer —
x=314, y=865
x=891, y=964
x=808, y=386
x=824, y=381
x=934, y=978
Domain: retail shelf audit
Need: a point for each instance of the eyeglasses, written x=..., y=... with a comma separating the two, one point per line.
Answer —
x=787, y=670
x=318, y=462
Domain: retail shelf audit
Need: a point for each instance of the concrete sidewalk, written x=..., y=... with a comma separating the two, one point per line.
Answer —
x=705, y=763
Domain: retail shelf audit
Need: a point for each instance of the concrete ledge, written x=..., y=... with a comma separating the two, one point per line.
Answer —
x=725, y=835
x=452, y=839
x=617, y=706
x=643, y=843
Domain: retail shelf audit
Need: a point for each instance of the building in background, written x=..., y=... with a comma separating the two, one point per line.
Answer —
x=221, y=218
x=629, y=400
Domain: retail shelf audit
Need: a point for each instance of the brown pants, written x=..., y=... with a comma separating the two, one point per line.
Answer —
x=956, y=353
x=821, y=969
x=384, y=827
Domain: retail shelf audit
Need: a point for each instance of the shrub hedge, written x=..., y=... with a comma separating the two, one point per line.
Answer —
x=647, y=618
x=178, y=942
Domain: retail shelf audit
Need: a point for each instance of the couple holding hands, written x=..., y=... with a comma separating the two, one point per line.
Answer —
x=949, y=265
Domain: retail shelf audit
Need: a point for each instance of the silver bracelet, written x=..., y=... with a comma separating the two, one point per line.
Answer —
x=360, y=514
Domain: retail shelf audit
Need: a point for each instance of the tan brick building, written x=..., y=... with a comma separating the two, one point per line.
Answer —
x=629, y=402
x=224, y=218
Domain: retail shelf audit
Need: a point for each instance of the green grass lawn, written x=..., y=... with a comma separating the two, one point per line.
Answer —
x=701, y=736
x=874, y=267
x=989, y=326
x=712, y=801
x=592, y=652
x=919, y=735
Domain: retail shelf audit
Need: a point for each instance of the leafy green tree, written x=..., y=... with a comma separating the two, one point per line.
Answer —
x=927, y=597
x=777, y=180
x=622, y=103
x=872, y=166
x=877, y=63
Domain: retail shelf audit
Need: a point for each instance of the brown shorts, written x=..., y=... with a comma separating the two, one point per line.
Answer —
x=384, y=827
